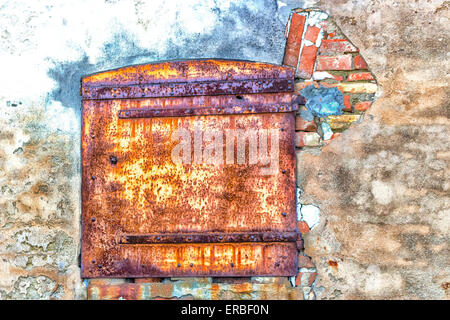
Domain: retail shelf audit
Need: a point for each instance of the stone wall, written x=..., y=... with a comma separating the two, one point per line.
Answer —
x=381, y=187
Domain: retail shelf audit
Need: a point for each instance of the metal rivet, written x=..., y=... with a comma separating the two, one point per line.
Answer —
x=282, y=129
x=189, y=238
x=252, y=237
x=158, y=238
x=93, y=219
x=249, y=109
x=232, y=264
x=100, y=266
x=93, y=261
x=156, y=112
x=283, y=171
x=93, y=136
x=277, y=264
x=284, y=214
x=127, y=238
x=179, y=265
x=113, y=159
x=220, y=237
x=143, y=266
x=93, y=177
x=191, y=265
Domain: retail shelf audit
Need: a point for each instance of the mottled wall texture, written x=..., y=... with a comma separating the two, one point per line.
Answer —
x=374, y=198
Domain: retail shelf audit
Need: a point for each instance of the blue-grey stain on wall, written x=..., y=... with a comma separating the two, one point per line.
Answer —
x=245, y=30
x=322, y=102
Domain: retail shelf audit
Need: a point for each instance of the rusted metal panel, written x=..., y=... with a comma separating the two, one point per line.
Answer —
x=211, y=237
x=133, y=192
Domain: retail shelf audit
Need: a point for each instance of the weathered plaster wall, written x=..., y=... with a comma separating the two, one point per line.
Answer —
x=382, y=186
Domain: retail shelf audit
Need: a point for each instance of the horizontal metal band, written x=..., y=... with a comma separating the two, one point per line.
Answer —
x=215, y=237
x=186, y=89
x=204, y=111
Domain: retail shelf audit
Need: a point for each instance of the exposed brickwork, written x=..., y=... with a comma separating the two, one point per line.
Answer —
x=328, y=59
x=330, y=46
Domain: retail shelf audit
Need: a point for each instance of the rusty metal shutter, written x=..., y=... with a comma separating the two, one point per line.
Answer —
x=143, y=215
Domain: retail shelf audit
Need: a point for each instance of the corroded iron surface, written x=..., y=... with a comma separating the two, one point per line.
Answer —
x=211, y=237
x=132, y=188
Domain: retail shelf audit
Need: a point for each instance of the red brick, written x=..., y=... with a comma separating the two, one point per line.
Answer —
x=311, y=33
x=294, y=40
x=335, y=135
x=360, y=63
x=363, y=106
x=147, y=280
x=304, y=262
x=326, y=63
x=347, y=104
x=324, y=26
x=303, y=227
x=312, y=278
x=303, y=125
x=307, y=61
x=360, y=76
x=336, y=46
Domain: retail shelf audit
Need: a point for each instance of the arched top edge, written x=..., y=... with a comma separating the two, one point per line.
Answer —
x=199, y=70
